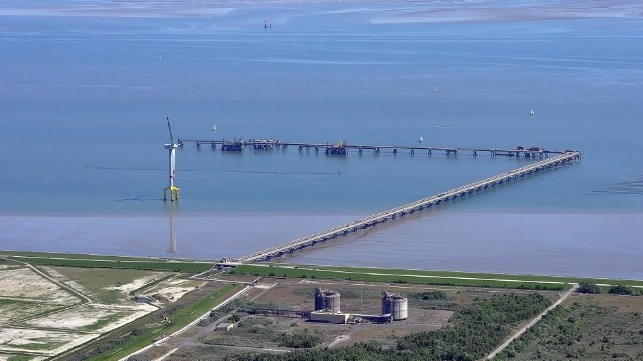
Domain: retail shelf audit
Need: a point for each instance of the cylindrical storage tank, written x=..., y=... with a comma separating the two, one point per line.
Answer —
x=400, y=308
x=319, y=300
x=332, y=301
x=387, y=303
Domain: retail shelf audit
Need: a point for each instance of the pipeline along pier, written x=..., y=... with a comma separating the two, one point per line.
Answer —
x=409, y=208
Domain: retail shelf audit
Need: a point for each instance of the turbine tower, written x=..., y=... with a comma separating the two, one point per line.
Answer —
x=171, y=213
x=174, y=191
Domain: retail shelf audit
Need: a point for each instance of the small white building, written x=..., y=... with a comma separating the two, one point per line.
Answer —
x=224, y=326
x=330, y=317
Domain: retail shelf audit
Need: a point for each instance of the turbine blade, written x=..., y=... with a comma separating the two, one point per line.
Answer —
x=169, y=127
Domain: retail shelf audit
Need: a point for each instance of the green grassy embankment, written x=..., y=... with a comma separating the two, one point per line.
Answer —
x=97, y=261
x=423, y=277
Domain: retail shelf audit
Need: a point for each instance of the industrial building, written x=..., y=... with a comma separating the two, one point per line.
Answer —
x=223, y=326
x=330, y=317
x=327, y=309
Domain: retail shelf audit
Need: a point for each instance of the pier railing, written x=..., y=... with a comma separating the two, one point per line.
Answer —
x=409, y=208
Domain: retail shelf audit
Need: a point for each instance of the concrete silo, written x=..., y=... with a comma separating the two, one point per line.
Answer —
x=327, y=300
x=396, y=305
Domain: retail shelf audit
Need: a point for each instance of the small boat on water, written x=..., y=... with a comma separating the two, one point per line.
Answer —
x=421, y=140
x=532, y=112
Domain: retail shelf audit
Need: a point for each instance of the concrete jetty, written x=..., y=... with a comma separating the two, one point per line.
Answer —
x=566, y=157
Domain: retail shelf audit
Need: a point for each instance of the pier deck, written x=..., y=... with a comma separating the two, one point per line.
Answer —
x=270, y=144
x=409, y=208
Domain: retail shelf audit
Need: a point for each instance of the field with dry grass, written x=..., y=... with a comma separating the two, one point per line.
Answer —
x=45, y=311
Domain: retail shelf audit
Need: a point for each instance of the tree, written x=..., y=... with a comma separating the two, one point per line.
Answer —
x=620, y=290
x=587, y=287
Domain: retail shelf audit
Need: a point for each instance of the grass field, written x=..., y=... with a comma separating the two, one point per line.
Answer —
x=110, y=286
x=19, y=358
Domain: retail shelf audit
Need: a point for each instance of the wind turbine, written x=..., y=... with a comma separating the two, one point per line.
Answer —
x=174, y=191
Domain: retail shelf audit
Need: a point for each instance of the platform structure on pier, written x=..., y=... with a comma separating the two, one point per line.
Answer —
x=566, y=157
x=343, y=148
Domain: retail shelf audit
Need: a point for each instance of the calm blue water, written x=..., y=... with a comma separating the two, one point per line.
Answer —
x=85, y=89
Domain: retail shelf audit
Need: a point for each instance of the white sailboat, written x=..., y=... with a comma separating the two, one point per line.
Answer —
x=421, y=140
x=532, y=112
x=214, y=127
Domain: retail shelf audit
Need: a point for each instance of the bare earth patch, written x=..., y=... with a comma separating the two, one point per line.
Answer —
x=92, y=317
x=172, y=290
x=45, y=341
x=24, y=283
x=134, y=285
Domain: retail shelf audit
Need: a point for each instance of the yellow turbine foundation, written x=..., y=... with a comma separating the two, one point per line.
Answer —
x=174, y=193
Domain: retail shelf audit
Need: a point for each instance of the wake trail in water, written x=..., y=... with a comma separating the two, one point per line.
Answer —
x=627, y=187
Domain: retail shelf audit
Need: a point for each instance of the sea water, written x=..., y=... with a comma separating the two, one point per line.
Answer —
x=86, y=88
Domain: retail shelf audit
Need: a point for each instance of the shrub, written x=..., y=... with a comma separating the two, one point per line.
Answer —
x=620, y=290
x=299, y=340
x=586, y=287
x=234, y=318
x=435, y=295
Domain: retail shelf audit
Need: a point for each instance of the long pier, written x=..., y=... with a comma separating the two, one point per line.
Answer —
x=409, y=208
x=237, y=145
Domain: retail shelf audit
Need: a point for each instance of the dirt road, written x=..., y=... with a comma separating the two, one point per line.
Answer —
x=531, y=323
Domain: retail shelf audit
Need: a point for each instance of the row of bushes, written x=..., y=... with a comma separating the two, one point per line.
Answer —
x=299, y=340
x=586, y=287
